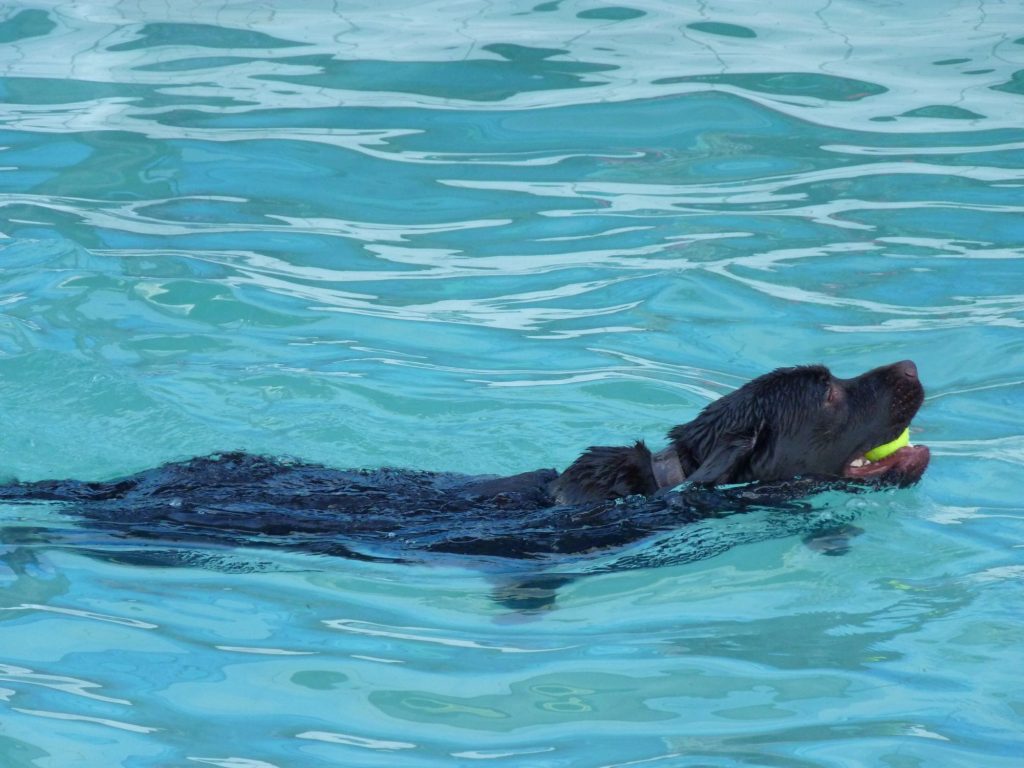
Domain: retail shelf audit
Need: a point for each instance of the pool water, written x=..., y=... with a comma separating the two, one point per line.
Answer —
x=478, y=237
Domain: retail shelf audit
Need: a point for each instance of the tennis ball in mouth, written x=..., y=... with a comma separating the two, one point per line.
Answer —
x=876, y=454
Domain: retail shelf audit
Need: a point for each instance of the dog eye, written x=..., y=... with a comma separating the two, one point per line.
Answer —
x=832, y=395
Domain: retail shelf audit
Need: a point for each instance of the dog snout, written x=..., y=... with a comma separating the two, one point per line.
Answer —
x=907, y=368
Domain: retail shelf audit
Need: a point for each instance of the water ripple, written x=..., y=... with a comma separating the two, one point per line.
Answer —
x=279, y=59
x=479, y=237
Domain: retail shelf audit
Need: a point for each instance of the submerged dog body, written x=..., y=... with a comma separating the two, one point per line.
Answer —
x=789, y=432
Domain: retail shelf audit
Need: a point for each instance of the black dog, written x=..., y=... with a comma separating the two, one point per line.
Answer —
x=794, y=422
x=786, y=434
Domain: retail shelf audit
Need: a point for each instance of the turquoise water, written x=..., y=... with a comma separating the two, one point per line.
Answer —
x=478, y=237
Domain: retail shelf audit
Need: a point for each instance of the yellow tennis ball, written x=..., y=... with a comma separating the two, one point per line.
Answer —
x=875, y=454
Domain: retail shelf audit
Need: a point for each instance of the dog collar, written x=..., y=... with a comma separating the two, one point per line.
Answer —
x=668, y=472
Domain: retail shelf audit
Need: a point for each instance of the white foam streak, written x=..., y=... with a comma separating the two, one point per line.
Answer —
x=232, y=762
x=263, y=651
x=135, y=623
x=104, y=721
x=355, y=741
x=72, y=685
x=422, y=635
x=1008, y=449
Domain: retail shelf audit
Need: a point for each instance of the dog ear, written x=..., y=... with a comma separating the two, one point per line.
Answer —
x=727, y=455
x=606, y=472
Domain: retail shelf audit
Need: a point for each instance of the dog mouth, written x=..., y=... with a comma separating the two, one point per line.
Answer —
x=906, y=465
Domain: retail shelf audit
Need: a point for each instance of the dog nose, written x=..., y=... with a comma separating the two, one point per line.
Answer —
x=907, y=368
